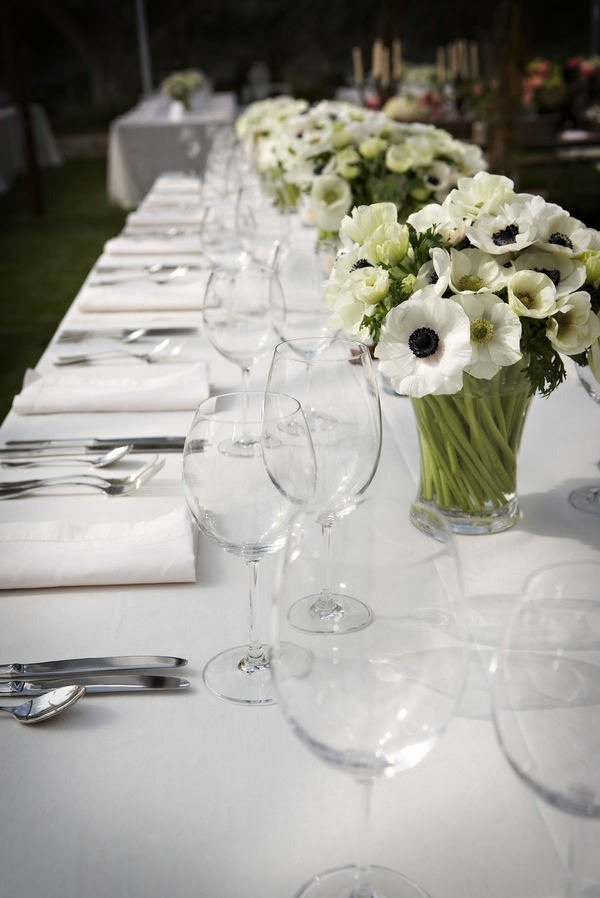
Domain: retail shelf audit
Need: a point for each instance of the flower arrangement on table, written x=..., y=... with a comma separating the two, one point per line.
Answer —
x=471, y=305
x=180, y=86
x=333, y=155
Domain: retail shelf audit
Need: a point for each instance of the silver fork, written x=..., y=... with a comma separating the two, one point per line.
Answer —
x=112, y=486
x=152, y=355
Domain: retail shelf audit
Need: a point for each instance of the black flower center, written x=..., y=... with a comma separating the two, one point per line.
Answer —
x=506, y=235
x=362, y=263
x=433, y=279
x=433, y=180
x=552, y=273
x=423, y=342
x=560, y=240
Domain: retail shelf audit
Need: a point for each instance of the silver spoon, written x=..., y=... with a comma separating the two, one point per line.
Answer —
x=43, y=707
x=96, y=461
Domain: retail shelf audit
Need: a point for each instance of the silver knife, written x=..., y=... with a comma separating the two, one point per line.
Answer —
x=107, y=683
x=98, y=444
x=109, y=664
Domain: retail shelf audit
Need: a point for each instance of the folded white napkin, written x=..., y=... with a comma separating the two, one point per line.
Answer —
x=167, y=216
x=114, y=388
x=144, y=245
x=36, y=554
x=176, y=181
x=145, y=295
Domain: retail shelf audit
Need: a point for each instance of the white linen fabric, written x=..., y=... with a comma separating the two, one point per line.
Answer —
x=160, y=245
x=36, y=554
x=167, y=214
x=114, y=388
x=145, y=295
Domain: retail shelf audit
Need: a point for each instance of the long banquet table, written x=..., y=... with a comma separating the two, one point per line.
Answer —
x=147, y=795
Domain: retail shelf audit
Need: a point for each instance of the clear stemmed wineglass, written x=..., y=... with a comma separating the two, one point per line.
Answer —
x=587, y=498
x=236, y=313
x=299, y=311
x=244, y=503
x=262, y=221
x=334, y=381
x=546, y=699
x=376, y=701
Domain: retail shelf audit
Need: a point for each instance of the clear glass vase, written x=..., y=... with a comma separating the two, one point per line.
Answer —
x=468, y=444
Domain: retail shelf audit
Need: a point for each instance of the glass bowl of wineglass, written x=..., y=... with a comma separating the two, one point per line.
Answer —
x=587, y=498
x=546, y=700
x=373, y=702
x=335, y=383
x=262, y=221
x=244, y=503
x=299, y=310
x=236, y=314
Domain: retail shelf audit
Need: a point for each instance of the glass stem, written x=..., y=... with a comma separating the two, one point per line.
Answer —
x=256, y=658
x=362, y=889
x=583, y=845
x=326, y=605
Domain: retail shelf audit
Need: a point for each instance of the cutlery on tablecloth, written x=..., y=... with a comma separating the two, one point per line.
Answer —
x=107, y=664
x=124, y=334
x=39, y=459
x=94, y=684
x=46, y=706
x=95, y=444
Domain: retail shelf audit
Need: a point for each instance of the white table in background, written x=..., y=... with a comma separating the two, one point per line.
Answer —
x=144, y=143
x=12, y=143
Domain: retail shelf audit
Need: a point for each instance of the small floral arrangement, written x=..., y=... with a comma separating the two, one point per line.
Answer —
x=181, y=85
x=481, y=281
x=543, y=86
x=333, y=155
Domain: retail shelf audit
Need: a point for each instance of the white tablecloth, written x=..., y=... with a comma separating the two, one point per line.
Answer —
x=152, y=795
x=144, y=143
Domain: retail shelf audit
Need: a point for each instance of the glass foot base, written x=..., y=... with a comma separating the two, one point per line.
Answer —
x=232, y=677
x=586, y=498
x=344, y=615
x=342, y=883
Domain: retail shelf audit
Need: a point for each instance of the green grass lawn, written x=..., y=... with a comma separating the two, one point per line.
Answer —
x=44, y=259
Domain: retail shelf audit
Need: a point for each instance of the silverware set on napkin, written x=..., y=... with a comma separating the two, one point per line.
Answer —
x=51, y=687
x=111, y=486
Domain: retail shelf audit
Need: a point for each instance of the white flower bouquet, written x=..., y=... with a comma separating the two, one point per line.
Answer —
x=472, y=303
x=334, y=155
x=181, y=85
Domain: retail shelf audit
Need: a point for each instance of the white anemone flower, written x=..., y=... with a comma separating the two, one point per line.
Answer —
x=480, y=195
x=566, y=274
x=574, y=326
x=436, y=272
x=559, y=232
x=495, y=333
x=511, y=228
x=532, y=294
x=388, y=244
x=330, y=199
x=439, y=178
x=425, y=345
x=366, y=219
x=473, y=271
x=436, y=215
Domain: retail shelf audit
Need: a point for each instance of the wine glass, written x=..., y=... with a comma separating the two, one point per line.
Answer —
x=376, y=701
x=334, y=381
x=236, y=315
x=587, y=498
x=262, y=221
x=299, y=311
x=244, y=503
x=546, y=699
